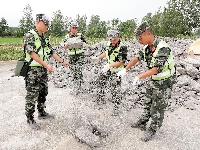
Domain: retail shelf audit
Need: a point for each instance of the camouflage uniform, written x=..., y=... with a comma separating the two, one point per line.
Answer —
x=36, y=79
x=111, y=81
x=158, y=91
x=76, y=63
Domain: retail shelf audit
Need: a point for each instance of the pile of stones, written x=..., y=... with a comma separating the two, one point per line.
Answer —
x=186, y=91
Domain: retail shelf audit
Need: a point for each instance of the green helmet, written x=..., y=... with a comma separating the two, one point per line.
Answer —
x=44, y=18
x=144, y=26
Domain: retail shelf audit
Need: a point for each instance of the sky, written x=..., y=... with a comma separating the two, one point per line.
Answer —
x=12, y=10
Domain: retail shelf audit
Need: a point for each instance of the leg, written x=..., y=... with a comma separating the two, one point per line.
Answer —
x=74, y=71
x=101, y=84
x=43, y=91
x=141, y=123
x=160, y=98
x=115, y=88
x=32, y=88
x=159, y=104
x=42, y=114
x=79, y=71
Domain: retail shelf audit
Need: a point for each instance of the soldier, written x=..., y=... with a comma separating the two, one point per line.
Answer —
x=160, y=62
x=116, y=55
x=76, y=57
x=37, y=47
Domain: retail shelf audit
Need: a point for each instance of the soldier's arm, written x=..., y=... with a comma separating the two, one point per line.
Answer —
x=102, y=56
x=83, y=38
x=29, y=43
x=63, y=42
x=138, y=57
x=29, y=46
x=161, y=58
x=148, y=73
x=37, y=59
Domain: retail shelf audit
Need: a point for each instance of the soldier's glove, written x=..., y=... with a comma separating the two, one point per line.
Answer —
x=121, y=73
x=84, y=45
x=95, y=58
x=136, y=82
x=106, y=68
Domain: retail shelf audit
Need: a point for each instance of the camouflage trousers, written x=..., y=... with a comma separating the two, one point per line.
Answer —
x=37, y=89
x=111, y=83
x=157, y=95
x=76, y=67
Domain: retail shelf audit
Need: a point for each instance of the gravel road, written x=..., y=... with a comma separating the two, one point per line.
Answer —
x=180, y=130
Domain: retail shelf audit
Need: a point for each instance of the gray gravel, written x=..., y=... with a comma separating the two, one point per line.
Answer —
x=82, y=124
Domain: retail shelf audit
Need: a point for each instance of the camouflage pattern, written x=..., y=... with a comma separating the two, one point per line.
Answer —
x=110, y=81
x=44, y=18
x=37, y=89
x=74, y=23
x=29, y=42
x=76, y=66
x=161, y=56
x=113, y=83
x=141, y=28
x=113, y=34
x=36, y=79
x=158, y=91
x=157, y=95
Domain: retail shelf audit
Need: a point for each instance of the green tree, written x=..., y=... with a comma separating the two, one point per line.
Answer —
x=173, y=23
x=57, y=27
x=82, y=23
x=156, y=23
x=115, y=22
x=127, y=29
x=26, y=23
x=92, y=26
x=3, y=26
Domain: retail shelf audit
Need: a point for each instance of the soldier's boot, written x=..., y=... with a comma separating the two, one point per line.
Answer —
x=31, y=122
x=140, y=125
x=149, y=134
x=44, y=115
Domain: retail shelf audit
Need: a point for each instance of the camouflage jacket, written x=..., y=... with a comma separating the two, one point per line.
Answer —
x=29, y=42
x=122, y=56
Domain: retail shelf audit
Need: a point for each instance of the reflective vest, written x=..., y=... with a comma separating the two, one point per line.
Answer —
x=74, y=51
x=168, y=69
x=111, y=58
x=43, y=51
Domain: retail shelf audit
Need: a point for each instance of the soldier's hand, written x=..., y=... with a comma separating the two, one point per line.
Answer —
x=66, y=47
x=49, y=68
x=66, y=64
x=136, y=82
x=95, y=58
x=84, y=45
x=121, y=73
x=106, y=68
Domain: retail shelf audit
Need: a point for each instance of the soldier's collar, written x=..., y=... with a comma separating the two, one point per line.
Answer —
x=155, y=42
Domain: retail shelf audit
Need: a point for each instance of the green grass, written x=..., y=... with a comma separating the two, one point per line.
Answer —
x=10, y=54
x=12, y=48
x=10, y=41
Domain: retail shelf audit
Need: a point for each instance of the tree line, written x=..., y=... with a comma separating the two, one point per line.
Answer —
x=180, y=18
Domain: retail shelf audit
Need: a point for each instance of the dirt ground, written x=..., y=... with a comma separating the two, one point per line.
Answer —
x=180, y=130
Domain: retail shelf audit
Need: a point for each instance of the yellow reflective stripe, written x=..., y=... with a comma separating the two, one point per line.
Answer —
x=164, y=75
x=35, y=63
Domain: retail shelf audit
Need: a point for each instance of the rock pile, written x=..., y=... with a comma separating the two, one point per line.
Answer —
x=186, y=91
